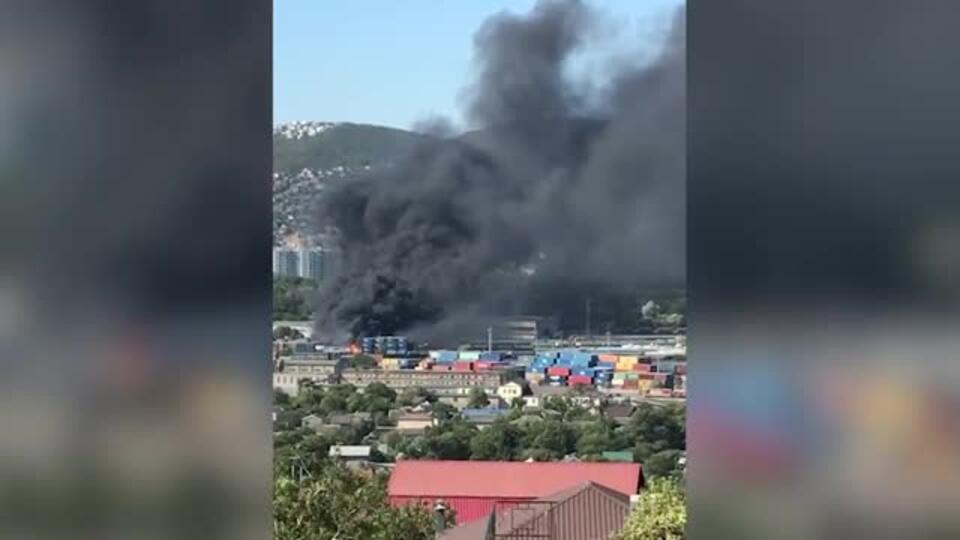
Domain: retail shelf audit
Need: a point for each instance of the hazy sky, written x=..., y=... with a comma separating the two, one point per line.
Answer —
x=395, y=62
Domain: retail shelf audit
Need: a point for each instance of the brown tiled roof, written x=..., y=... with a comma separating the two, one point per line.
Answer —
x=587, y=511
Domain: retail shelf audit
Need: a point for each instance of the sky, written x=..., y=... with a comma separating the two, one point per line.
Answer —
x=396, y=63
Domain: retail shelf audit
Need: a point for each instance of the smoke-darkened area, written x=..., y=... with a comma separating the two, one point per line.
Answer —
x=563, y=189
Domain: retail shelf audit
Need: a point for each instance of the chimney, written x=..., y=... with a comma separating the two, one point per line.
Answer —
x=439, y=517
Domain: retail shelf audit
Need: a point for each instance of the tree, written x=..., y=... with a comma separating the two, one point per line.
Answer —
x=595, y=439
x=287, y=333
x=280, y=398
x=554, y=436
x=415, y=395
x=660, y=514
x=478, y=399
x=333, y=403
x=443, y=412
x=331, y=502
x=361, y=361
x=290, y=298
x=449, y=440
x=500, y=441
x=378, y=389
x=662, y=464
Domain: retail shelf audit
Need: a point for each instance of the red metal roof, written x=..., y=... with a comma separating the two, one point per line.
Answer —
x=506, y=479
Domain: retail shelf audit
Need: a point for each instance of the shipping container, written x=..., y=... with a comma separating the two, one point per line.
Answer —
x=560, y=371
x=608, y=358
x=646, y=376
x=630, y=384
x=469, y=355
x=494, y=356
x=579, y=379
x=644, y=368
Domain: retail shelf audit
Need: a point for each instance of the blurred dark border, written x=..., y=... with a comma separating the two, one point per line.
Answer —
x=135, y=166
x=823, y=255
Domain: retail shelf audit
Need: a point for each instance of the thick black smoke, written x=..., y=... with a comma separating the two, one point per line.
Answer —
x=552, y=196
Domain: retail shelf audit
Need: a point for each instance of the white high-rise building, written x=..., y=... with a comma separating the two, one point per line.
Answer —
x=315, y=263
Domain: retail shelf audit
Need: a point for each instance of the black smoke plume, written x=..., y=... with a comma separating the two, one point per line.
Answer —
x=564, y=189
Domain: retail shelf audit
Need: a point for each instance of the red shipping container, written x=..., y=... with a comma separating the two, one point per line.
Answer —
x=559, y=371
x=646, y=376
x=643, y=368
x=579, y=379
x=442, y=367
x=662, y=377
x=463, y=366
x=481, y=365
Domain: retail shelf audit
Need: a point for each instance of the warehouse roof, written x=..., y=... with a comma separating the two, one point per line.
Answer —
x=507, y=479
x=586, y=510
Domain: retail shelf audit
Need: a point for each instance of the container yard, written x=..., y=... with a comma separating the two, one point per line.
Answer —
x=652, y=366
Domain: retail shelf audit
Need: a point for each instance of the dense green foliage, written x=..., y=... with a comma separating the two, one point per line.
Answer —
x=292, y=298
x=323, y=500
x=478, y=399
x=660, y=514
x=656, y=435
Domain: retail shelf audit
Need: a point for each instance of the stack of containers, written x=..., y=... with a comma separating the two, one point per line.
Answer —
x=425, y=364
x=389, y=363
x=558, y=374
x=626, y=363
x=538, y=367
x=603, y=375
x=579, y=379
x=390, y=346
x=444, y=357
x=610, y=359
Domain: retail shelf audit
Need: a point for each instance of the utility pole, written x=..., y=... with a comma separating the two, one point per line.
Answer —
x=589, y=335
x=489, y=339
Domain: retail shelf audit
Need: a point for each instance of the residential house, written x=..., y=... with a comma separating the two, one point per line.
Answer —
x=625, y=456
x=619, y=412
x=586, y=511
x=474, y=489
x=510, y=391
x=412, y=423
x=352, y=455
x=483, y=418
